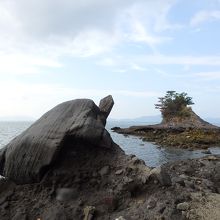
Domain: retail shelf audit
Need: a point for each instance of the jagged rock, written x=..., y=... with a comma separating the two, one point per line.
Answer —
x=79, y=122
x=105, y=107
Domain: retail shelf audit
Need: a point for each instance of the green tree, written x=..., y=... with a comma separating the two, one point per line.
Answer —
x=174, y=104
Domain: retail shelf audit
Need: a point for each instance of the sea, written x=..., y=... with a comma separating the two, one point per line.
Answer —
x=152, y=154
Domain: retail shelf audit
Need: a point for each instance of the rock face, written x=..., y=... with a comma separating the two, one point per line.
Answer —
x=192, y=120
x=79, y=122
x=105, y=106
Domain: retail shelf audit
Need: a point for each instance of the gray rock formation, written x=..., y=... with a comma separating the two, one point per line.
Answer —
x=105, y=107
x=26, y=158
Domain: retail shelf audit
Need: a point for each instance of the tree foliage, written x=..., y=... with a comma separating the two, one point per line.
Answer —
x=173, y=104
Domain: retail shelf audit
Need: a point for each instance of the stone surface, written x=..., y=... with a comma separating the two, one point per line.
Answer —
x=28, y=156
x=118, y=172
x=161, y=175
x=104, y=171
x=2, y=159
x=183, y=206
x=55, y=213
x=106, y=105
x=66, y=194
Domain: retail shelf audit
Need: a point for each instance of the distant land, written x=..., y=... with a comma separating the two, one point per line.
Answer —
x=142, y=119
x=157, y=119
x=154, y=119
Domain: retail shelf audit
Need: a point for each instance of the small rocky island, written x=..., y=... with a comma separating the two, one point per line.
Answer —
x=67, y=167
x=181, y=127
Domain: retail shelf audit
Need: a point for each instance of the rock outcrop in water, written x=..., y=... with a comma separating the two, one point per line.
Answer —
x=85, y=175
x=188, y=131
x=190, y=120
x=81, y=122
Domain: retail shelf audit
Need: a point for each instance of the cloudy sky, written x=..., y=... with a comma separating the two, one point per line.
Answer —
x=56, y=50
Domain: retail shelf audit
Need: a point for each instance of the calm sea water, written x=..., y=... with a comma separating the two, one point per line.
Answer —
x=150, y=153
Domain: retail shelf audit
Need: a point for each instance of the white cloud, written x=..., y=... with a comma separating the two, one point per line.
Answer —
x=204, y=16
x=84, y=28
x=180, y=60
x=137, y=67
x=35, y=99
x=208, y=75
x=19, y=64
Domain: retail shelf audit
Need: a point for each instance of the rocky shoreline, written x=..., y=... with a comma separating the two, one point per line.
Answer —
x=66, y=167
x=179, y=137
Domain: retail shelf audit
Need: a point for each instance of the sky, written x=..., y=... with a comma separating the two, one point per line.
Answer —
x=52, y=51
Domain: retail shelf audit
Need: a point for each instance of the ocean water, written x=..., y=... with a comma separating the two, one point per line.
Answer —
x=152, y=154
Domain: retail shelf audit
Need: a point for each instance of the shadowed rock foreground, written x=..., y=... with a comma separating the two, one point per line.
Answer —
x=66, y=167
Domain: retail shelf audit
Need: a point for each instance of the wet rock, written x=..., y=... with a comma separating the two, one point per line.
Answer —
x=26, y=158
x=211, y=157
x=207, y=152
x=115, y=128
x=136, y=160
x=183, y=206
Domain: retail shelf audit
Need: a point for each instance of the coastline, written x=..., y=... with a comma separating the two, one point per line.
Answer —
x=179, y=137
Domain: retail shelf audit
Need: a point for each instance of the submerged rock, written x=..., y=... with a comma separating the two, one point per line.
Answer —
x=79, y=122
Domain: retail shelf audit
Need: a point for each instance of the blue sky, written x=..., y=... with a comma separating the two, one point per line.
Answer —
x=52, y=51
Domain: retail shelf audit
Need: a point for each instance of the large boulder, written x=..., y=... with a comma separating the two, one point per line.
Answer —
x=27, y=157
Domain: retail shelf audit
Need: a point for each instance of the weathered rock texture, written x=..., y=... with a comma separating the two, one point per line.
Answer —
x=79, y=122
x=105, y=106
x=190, y=120
x=88, y=177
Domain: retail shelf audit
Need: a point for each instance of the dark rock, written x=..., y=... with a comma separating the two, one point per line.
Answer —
x=161, y=175
x=29, y=155
x=207, y=152
x=54, y=213
x=66, y=194
x=151, y=204
x=115, y=128
x=105, y=106
x=110, y=202
x=20, y=216
x=2, y=159
x=104, y=171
